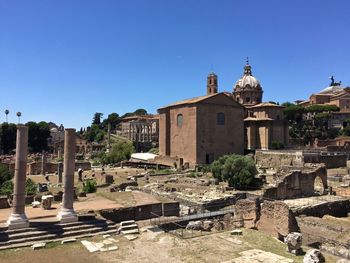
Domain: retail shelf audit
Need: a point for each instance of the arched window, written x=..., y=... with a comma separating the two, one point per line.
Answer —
x=220, y=118
x=179, y=120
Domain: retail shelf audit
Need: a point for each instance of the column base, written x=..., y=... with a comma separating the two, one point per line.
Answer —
x=67, y=216
x=17, y=221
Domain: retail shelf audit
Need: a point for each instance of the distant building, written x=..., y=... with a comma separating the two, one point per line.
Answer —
x=142, y=130
x=335, y=94
x=265, y=125
x=200, y=130
x=264, y=122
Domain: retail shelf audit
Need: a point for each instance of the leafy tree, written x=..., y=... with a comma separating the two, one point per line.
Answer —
x=140, y=112
x=239, y=171
x=120, y=151
x=318, y=108
x=292, y=112
x=113, y=119
x=7, y=137
x=92, y=133
x=38, y=135
x=5, y=174
x=97, y=118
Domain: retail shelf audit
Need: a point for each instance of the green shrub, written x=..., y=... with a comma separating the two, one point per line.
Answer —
x=31, y=187
x=120, y=151
x=239, y=171
x=5, y=174
x=6, y=188
x=90, y=186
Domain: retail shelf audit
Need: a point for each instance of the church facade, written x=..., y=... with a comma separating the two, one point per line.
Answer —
x=199, y=130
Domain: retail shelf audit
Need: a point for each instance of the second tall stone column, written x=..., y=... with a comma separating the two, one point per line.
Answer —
x=67, y=213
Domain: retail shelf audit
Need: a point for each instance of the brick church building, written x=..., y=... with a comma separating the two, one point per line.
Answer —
x=199, y=130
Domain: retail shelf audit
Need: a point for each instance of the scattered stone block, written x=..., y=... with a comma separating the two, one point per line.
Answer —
x=38, y=246
x=130, y=237
x=107, y=242
x=68, y=240
x=35, y=204
x=294, y=242
x=112, y=239
x=208, y=225
x=112, y=248
x=236, y=232
x=105, y=236
x=194, y=225
x=314, y=256
x=91, y=247
x=46, y=201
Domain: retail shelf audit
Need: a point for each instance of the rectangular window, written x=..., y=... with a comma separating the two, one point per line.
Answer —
x=220, y=118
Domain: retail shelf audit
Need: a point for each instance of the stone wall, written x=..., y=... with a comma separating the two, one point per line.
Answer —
x=141, y=212
x=34, y=168
x=277, y=219
x=249, y=211
x=278, y=158
x=171, y=209
x=297, y=183
x=331, y=236
x=338, y=208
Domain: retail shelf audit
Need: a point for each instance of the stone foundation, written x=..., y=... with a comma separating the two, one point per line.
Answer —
x=277, y=219
x=249, y=211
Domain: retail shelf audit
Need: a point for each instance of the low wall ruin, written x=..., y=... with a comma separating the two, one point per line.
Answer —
x=278, y=158
x=277, y=219
x=141, y=212
x=330, y=235
x=297, y=183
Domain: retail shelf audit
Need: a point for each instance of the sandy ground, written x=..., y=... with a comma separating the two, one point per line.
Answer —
x=158, y=248
x=91, y=202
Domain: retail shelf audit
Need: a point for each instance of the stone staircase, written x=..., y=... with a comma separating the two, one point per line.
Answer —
x=50, y=231
x=129, y=227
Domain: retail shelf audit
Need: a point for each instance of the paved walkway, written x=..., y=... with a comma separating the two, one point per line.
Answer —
x=85, y=204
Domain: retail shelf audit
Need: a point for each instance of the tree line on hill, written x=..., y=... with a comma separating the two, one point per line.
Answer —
x=99, y=126
x=316, y=125
x=38, y=136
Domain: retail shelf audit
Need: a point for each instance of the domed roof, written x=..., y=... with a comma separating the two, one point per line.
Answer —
x=248, y=81
x=332, y=90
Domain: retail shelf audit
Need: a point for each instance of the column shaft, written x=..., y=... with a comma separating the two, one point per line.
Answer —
x=18, y=218
x=67, y=213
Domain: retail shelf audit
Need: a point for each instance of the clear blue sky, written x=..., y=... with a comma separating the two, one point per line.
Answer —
x=62, y=61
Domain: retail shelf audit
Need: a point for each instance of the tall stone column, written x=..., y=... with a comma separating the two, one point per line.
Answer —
x=67, y=213
x=18, y=219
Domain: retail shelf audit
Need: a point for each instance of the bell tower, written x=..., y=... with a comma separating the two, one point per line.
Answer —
x=212, y=84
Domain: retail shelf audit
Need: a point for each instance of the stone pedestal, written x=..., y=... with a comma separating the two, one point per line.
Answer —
x=18, y=219
x=67, y=214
